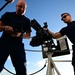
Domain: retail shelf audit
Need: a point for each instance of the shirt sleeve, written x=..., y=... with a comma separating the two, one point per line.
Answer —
x=4, y=18
x=63, y=31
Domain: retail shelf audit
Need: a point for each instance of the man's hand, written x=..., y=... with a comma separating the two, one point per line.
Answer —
x=45, y=29
x=16, y=34
x=8, y=29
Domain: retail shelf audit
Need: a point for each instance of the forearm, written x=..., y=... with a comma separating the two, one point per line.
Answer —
x=2, y=28
x=25, y=36
x=55, y=35
x=52, y=34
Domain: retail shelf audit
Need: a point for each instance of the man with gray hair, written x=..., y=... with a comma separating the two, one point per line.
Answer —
x=15, y=26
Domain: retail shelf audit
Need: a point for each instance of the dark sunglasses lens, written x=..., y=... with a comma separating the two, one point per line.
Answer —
x=64, y=17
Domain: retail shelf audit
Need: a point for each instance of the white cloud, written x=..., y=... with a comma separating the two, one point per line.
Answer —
x=40, y=63
x=28, y=62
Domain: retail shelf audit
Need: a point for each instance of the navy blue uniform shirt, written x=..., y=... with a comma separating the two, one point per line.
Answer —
x=17, y=22
x=69, y=30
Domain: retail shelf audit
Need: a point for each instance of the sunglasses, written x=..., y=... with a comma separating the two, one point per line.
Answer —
x=64, y=17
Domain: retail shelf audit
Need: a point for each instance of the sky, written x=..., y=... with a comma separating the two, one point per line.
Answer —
x=43, y=11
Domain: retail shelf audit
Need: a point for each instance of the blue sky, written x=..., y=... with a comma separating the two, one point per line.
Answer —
x=43, y=11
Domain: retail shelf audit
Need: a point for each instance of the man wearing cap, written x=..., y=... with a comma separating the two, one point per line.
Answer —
x=69, y=30
x=15, y=26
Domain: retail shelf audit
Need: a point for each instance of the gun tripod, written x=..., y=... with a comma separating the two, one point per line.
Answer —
x=51, y=65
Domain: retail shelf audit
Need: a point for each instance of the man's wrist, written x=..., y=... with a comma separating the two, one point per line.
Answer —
x=21, y=35
x=2, y=28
